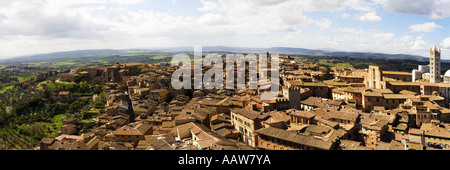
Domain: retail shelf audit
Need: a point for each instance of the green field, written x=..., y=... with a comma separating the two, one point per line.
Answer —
x=3, y=90
x=35, y=64
x=55, y=125
x=334, y=63
x=22, y=77
x=64, y=63
x=160, y=57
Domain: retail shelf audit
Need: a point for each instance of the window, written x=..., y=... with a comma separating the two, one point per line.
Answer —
x=373, y=71
x=248, y=124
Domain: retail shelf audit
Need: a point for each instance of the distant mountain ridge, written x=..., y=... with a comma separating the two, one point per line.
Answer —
x=48, y=57
x=303, y=51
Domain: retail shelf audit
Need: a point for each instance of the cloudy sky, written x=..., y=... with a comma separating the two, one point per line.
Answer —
x=388, y=26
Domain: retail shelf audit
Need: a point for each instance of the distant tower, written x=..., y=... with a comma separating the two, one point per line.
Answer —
x=435, y=65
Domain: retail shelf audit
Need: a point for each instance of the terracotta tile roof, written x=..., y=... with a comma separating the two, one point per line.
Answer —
x=401, y=83
x=398, y=96
x=64, y=92
x=141, y=129
x=248, y=113
x=407, y=92
x=343, y=115
x=304, y=114
x=415, y=131
x=435, y=131
x=205, y=136
x=353, y=90
x=430, y=105
x=396, y=73
x=47, y=140
x=296, y=138
x=352, y=145
x=160, y=142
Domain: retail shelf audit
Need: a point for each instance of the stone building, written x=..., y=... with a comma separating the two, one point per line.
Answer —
x=65, y=97
x=436, y=135
x=376, y=79
x=293, y=94
x=118, y=72
x=133, y=133
x=246, y=122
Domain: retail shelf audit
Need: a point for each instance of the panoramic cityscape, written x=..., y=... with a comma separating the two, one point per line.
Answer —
x=225, y=75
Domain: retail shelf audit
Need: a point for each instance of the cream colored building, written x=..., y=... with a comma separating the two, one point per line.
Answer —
x=246, y=122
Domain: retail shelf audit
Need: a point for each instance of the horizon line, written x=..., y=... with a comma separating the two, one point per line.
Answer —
x=332, y=50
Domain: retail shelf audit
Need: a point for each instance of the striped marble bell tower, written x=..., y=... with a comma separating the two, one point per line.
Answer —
x=435, y=65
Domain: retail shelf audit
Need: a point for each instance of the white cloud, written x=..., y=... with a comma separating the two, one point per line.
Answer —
x=446, y=43
x=358, y=40
x=426, y=27
x=208, y=6
x=324, y=23
x=256, y=17
x=345, y=15
x=337, y=5
x=54, y=25
x=126, y=2
x=435, y=9
x=370, y=16
x=419, y=44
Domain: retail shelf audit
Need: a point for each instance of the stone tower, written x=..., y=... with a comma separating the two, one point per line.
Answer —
x=293, y=94
x=435, y=65
x=374, y=78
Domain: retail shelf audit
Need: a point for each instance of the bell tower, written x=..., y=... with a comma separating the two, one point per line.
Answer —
x=435, y=65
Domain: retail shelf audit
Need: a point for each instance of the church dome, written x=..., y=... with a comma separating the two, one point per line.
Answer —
x=447, y=74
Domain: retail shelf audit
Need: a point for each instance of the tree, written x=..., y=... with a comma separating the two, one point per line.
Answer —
x=327, y=74
x=102, y=97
